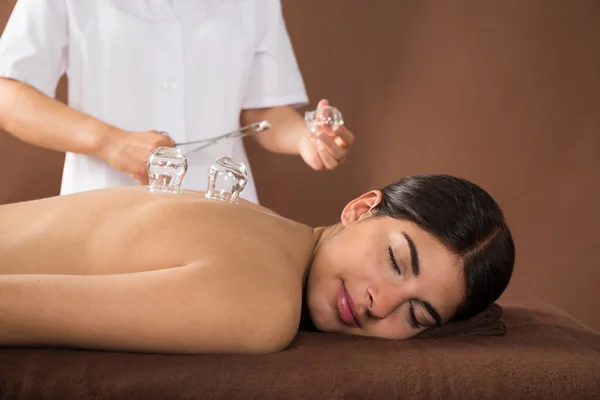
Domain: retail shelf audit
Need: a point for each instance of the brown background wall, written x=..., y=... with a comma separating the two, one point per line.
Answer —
x=506, y=94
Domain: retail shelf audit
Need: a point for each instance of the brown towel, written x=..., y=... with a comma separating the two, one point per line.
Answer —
x=487, y=323
x=544, y=355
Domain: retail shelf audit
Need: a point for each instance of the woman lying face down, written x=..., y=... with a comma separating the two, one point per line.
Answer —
x=127, y=270
x=417, y=254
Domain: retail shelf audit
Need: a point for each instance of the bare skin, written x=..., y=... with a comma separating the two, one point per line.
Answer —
x=42, y=121
x=126, y=269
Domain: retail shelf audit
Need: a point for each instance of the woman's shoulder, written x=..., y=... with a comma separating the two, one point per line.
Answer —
x=259, y=307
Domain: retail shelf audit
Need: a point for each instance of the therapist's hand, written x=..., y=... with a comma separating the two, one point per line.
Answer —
x=129, y=151
x=330, y=147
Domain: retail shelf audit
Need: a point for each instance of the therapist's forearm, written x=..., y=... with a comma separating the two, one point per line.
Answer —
x=42, y=121
x=287, y=128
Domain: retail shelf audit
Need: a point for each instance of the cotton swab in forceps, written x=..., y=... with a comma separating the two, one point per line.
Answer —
x=247, y=130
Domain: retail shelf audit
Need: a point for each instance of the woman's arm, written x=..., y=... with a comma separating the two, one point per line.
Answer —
x=43, y=121
x=289, y=135
x=287, y=128
x=188, y=309
x=34, y=50
x=33, y=56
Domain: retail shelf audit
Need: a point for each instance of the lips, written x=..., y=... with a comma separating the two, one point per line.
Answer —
x=346, y=308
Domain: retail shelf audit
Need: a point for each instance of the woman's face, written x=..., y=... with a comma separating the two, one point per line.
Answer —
x=382, y=277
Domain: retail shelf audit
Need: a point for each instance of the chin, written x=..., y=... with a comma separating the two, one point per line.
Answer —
x=321, y=299
x=321, y=314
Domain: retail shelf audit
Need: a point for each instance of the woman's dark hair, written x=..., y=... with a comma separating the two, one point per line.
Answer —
x=468, y=221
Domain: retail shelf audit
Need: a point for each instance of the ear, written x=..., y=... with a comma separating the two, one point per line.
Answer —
x=361, y=207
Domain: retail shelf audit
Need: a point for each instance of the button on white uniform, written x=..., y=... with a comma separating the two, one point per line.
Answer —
x=170, y=84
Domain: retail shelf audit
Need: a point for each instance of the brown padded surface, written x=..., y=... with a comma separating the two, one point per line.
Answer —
x=544, y=355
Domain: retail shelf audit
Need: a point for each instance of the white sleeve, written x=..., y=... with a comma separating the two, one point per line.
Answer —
x=33, y=47
x=275, y=78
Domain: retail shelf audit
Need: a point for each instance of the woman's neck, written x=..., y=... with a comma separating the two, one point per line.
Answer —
x=320, y=236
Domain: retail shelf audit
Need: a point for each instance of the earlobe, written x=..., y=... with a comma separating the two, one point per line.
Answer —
x=361, y=207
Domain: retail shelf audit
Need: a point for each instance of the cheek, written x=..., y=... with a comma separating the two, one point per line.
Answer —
x=350, y=257
x=339, y=258
x=373, y=270
x=361, y=266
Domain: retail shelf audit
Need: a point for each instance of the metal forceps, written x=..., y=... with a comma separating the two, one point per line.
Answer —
x=247, y=130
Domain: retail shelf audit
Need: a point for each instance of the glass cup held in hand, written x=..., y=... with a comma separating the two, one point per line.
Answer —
x=166, y=168
x=322, y=119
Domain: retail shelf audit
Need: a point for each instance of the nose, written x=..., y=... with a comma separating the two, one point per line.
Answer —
x=384, y=299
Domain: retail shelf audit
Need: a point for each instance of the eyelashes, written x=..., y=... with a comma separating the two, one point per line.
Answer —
x=393, y=261
x=413, y=318
x=411, y=309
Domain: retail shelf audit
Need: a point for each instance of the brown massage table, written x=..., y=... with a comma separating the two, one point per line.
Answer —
x=517, y=353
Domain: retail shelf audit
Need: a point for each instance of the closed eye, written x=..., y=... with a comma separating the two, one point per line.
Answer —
x=393, y=261
x=413, y=317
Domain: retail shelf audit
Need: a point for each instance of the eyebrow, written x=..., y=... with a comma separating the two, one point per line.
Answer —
x=414, y=254
x=433, y=312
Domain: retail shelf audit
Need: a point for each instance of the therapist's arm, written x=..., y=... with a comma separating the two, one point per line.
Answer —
x=287, y=128
x=289, y=135
x=42, y=121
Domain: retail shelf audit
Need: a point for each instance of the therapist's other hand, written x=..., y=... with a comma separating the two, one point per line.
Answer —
x=129, y=151
x=330, y=147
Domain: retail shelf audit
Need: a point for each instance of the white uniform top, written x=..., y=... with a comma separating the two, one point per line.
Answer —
x=187, y=67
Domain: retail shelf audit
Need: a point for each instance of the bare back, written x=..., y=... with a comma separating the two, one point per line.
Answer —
x=126, y=269
x=129, y=229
